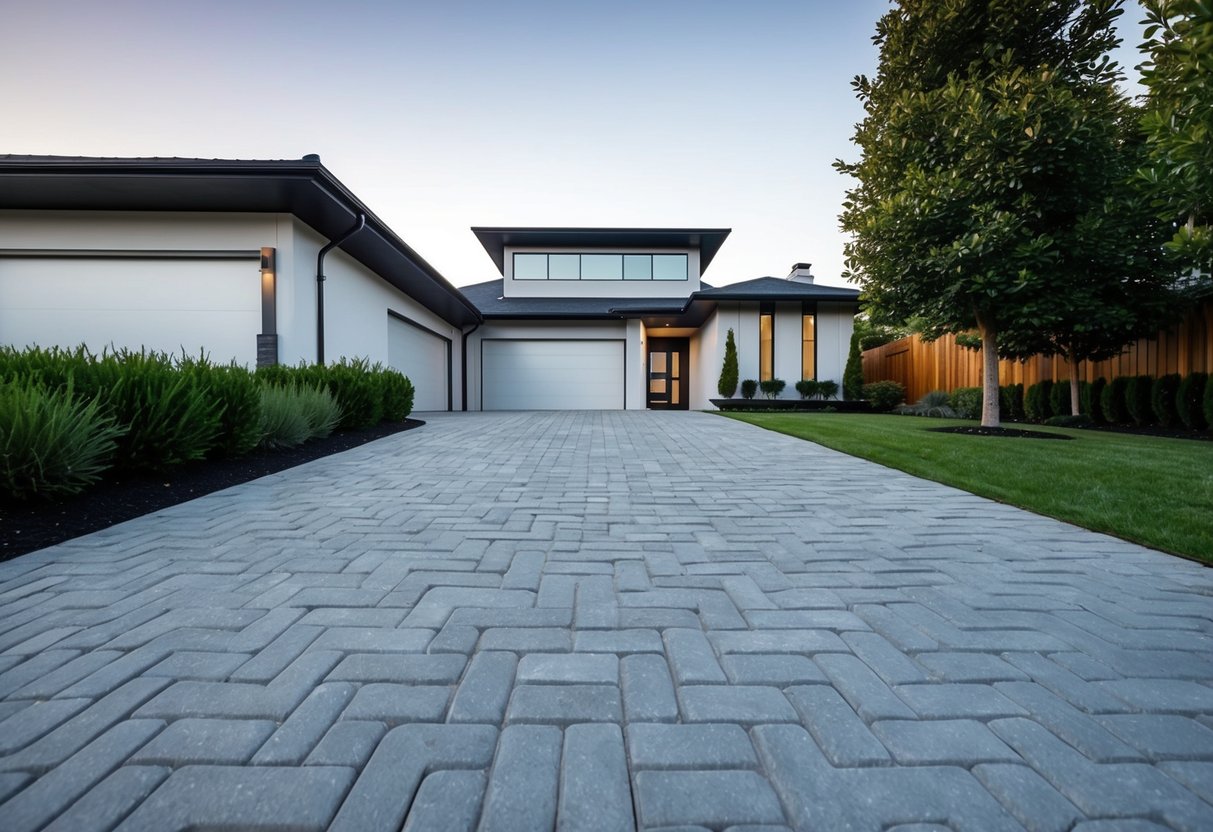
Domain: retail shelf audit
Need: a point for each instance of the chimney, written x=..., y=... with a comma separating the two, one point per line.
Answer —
x=800, y=273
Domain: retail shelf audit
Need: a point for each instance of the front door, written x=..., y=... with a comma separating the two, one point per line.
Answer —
x=668, y=372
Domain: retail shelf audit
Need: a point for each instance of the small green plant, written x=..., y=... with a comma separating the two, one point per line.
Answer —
x=966, y=401
x=1137, y=399
x=748, y=388
x=808, y=388
x=397, y=394
x=727, y=385
x=934, y=404
x=320, y=411
x=884, y=395
x=238, y=395
x=827, y=389
x=772, y=387
x=852, y=376
x=51, y=441
x=1112, y=401
x=1162, y=399
x=1188, y=399
x=283, y=421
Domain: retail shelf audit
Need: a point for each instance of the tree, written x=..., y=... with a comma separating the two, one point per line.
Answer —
x=727, y=385
x=984, y=127
x=1178, y=123
x=852, y=376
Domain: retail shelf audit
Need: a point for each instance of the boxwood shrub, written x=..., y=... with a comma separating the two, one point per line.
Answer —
x=966, y=401
x=1188, y=400
x=1162, y=399
x=1036, y=401
x=1059, y=399
x=884, y=395
x=772, y=387
x=1011, y=402
x=1091, y=399
x=748, y=388
x=1138, y=391
x=1112, y=401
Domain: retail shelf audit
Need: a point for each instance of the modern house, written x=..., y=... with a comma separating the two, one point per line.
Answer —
x=276, y=261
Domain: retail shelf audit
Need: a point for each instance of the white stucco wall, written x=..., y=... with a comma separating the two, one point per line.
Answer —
x=601, y=288
x=356, y=301
x=707, y=359
x=629, y=331
x=835, y=323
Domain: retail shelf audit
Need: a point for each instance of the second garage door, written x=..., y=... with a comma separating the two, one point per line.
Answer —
x=425, y=358
x=552, y=375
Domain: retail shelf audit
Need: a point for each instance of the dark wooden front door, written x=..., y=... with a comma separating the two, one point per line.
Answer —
x=668, y=373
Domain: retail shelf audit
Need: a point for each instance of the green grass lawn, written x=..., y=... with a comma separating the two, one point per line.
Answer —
x=1154, y=491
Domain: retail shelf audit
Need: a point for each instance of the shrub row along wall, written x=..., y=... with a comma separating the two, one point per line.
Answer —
x=945, y=365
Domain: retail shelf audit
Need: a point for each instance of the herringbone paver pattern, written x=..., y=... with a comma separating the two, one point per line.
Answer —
x=603, y=621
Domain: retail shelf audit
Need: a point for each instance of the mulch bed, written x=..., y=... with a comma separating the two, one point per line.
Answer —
x=27, y=526
x=1014, y=433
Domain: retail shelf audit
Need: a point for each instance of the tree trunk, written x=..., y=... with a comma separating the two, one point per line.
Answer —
x=989, y=372
x=1075, y=403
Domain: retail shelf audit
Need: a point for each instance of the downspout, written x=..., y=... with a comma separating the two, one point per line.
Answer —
x=358, y=226
x=463, y=354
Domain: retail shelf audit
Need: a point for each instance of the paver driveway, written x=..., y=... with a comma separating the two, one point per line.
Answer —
x=600, y=620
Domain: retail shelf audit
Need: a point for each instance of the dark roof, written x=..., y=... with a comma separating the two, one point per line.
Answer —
x=689, y=311
x=488, y=299
x=778, y=288
x=303, y=187
x=707, y=240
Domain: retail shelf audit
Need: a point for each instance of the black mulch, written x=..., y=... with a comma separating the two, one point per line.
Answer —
x=26, y=526
x=1015, y=433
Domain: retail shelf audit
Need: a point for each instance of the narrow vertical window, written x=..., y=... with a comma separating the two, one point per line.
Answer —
x=808, y=343
x=766, y=342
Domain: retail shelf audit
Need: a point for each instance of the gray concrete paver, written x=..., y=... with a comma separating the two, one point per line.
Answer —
x=593, y=620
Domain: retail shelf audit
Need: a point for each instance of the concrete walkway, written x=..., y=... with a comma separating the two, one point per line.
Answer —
x=603, y=621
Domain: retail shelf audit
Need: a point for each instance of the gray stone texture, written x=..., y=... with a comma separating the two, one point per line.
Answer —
x=609, y=621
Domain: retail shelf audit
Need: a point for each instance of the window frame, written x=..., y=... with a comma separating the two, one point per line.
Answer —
x=623, y=255
x=766, y=309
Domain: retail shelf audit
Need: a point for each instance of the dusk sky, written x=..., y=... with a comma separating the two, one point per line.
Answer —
x=444, y=115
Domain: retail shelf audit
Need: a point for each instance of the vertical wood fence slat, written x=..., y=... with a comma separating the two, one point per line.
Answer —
x=945, y=365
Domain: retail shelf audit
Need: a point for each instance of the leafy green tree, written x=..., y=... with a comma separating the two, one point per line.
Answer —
x=727, y=385
x=852, y=376
x=1178, y=71
x=985, y=126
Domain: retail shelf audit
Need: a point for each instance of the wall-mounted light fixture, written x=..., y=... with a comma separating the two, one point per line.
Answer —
x=267, y=340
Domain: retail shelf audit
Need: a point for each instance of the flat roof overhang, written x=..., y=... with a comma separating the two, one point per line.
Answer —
x=302, y=187
x=707, y=240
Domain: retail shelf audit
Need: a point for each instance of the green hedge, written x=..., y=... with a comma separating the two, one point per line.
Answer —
x=1059, y=399
x=1162, y=399
x=1037, y=401
x=884, y=395
x=1011, y=402
x=1091, y=399
x=1112, y=401
x=1138, y=391
x=966, y=401
x=1188, y=400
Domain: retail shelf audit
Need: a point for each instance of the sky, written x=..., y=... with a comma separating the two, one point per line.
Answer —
x=446, y=114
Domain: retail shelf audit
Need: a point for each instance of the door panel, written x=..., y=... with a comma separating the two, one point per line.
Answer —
x=668, y=373
x=526, y=374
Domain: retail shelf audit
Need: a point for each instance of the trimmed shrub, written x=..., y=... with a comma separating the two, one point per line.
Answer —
x=1162, y=399
x=827, y=389
x=397, y=396
x=52, y=442
x=772, y=387
x=1059, y=399
x=852, y=376
x=356, y=388
x=1188, y=400
x=1036, y=406
x=1137, y=399
x=808, y=388
x=1091, y=399
x=1112, y=401
x=884, y=395
x=966, y=401
x=748, y=388
x=1207, y=404
x=1011, y=402
x=727, y=385
x=320, y=410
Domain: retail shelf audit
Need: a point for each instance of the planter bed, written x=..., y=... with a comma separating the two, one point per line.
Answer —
x=839, y=406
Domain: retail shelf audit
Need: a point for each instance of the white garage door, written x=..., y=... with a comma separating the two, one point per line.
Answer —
x=165, y=305
x=422, y=356
x=552, y=375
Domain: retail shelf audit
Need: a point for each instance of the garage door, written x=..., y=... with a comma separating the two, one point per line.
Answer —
x=424, y=358
x=552, y=375
x=165, y=305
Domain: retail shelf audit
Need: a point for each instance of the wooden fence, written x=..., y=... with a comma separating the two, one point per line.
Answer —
x=944, y=365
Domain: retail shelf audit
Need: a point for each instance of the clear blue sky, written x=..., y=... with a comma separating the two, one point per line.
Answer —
x=443, y=115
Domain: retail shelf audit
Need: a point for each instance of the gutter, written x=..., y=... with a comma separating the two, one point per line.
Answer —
x=463, y=354
x=332, y=244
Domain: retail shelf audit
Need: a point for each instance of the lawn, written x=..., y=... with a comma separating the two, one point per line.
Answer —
x=1158, y=492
